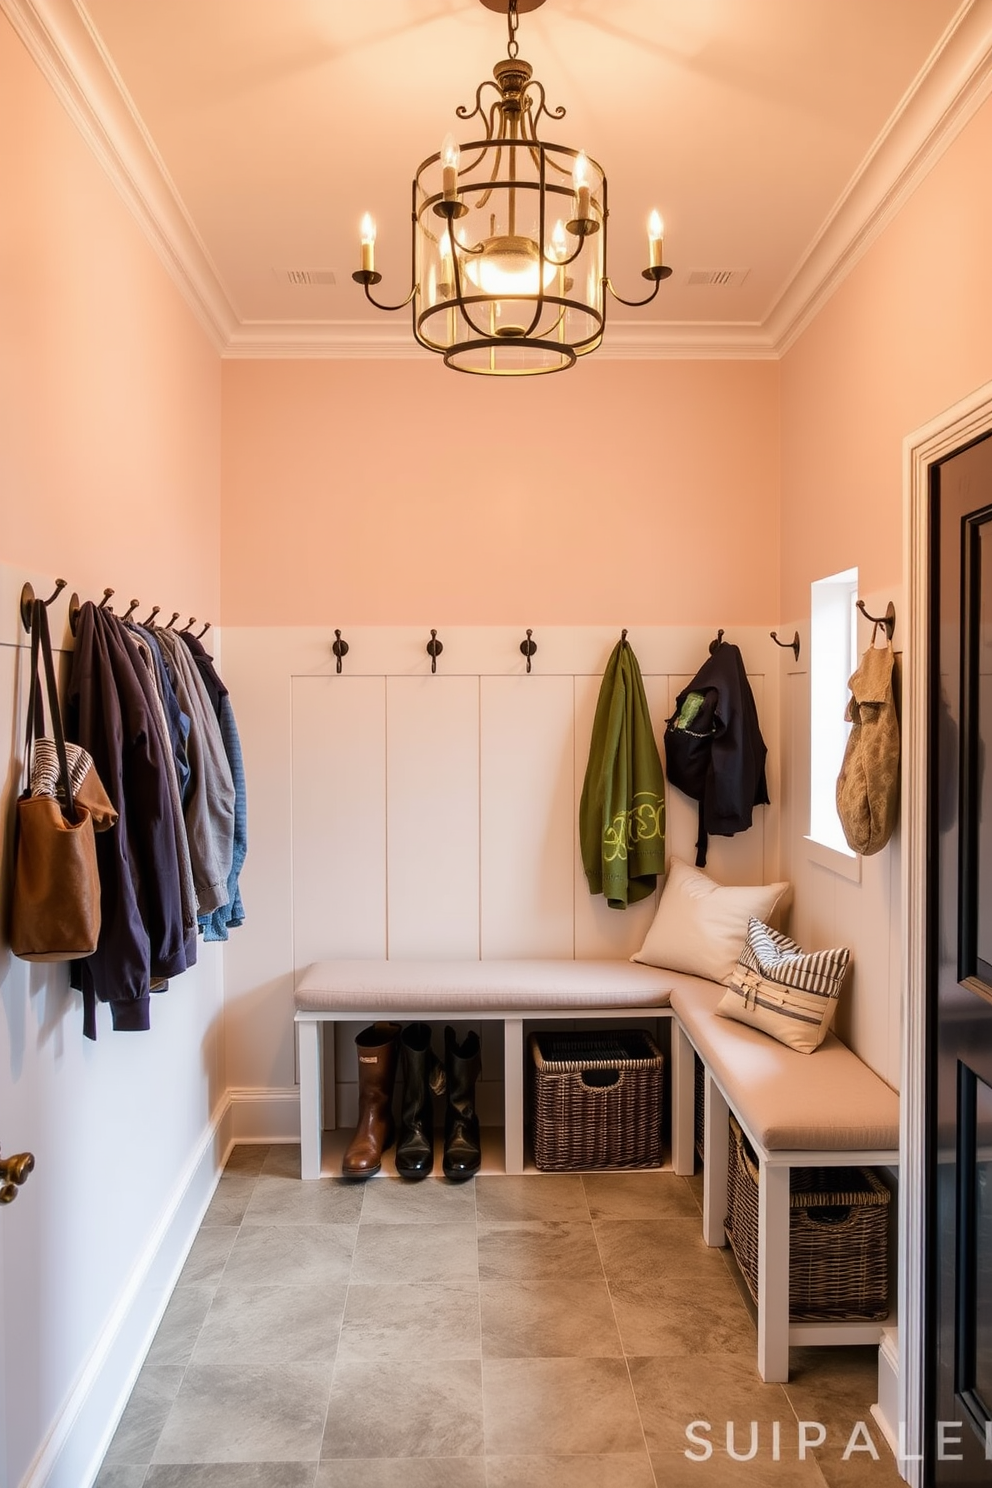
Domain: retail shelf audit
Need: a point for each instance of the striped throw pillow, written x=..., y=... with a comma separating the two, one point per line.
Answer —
x=784, y=991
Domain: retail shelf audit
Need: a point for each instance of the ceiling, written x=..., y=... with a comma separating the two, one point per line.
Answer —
x=775, y=136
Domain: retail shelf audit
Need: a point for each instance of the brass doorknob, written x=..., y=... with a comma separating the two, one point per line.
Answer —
x=13, y=1172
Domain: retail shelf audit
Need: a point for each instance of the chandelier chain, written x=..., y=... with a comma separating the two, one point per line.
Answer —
x=512, y=25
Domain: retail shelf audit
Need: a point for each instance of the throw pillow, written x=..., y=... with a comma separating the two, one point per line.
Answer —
x=701, y=926
x=782, y=990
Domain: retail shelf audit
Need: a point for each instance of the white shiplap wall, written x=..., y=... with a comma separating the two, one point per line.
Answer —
x=398, y=813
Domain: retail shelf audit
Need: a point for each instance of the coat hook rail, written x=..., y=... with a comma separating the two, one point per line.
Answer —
x=434, y=649
x=717, y=642
x=528, y=647
x=792, y=645
x=888, y=619
x=28, y=598
x=75, y=605
x=340, y=649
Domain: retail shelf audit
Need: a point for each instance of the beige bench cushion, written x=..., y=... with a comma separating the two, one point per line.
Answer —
x=828, y=1100
x=479, y=986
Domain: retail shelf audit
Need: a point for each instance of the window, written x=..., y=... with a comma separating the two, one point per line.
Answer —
x=833, y=657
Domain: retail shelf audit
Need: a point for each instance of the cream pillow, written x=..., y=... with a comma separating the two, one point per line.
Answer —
x=701, y=926
x=784, y=991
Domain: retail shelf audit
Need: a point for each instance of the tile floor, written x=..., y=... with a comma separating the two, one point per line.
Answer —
x=549, y=1331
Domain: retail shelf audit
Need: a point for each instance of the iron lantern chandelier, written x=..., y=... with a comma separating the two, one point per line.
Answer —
x=509, y=236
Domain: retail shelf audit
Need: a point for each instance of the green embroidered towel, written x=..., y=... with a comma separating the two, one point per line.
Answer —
x=622, y=810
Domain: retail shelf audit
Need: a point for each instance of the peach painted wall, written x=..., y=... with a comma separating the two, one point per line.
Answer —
x=907, y=335
x=397, y=492
x=109, y=389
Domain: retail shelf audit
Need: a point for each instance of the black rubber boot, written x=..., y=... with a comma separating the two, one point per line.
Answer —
x=423, y=1078
x=463, y=1065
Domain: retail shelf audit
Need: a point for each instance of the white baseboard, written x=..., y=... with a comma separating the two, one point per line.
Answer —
x=75, y=1446
x=264, y=1114
x=886, y=1411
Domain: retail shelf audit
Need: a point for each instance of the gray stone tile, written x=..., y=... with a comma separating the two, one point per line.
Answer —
x=208, y=1256
x=247, y=1157
x=180, y=1325
x=291, y=1255
x=123, y=1475
x=548, y=1319
x=632, y=1250
x=272, y=1325
x=538, y=1251
x=231, y=1475
x=413, y=1253
x=247, y=1413
x=411, y=1322
x=557, y=1407
x=230, y=1200
x=403, y=1472
x=622, y=1470
x=280, y=1200
x=659, y=1317
x=432, y=1201
x=145, y=1415
x=282, y=1160
x=639, y=1196
x=534, y=1196
x=386, y=1409
x=673, y=1392
x=675, y=1470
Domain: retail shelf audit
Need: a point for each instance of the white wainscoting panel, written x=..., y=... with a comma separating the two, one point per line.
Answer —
x=339, y=818
x=527, y=816
x=432, y=791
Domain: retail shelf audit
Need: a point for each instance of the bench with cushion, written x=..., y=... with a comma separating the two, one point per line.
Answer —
x=825, y=1109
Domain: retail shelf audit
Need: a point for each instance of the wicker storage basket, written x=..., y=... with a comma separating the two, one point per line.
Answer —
x=838, y=1236
x=698, y=1104
x=597, y=1100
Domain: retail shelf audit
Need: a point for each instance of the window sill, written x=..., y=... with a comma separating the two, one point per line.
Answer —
x=845, y=865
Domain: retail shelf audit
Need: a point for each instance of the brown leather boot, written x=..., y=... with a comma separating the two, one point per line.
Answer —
x=376, y=1130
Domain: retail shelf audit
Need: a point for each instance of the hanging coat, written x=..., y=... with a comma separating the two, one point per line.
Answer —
x=868, y=784
x=622, y=810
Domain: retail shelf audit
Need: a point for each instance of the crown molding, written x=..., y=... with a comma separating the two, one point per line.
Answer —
x=952, y=85
x=949, y=89
x=73, y=61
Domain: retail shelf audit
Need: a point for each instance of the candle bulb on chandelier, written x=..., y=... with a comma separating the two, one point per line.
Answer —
x=580, y=181
x=656, y=238
x=449, y=169
x=368, y=245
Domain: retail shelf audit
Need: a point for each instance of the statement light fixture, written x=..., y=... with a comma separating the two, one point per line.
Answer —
x=509, y=237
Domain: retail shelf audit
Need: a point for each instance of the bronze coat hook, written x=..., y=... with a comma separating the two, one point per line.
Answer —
x=149, y=624
x=792, y=645
x=130, y=609
x=189, y=625
x=434, y=649
x=528, y=647
x=340, y=649
x=717, y=642
x=888, y=619
x=175, y=617
x=202, y=633
x=107, y=594
x=28, y=598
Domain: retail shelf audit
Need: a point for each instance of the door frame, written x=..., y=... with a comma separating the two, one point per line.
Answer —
x=959, y=425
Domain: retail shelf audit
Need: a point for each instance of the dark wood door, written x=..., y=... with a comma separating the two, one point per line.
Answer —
x=958, y=1360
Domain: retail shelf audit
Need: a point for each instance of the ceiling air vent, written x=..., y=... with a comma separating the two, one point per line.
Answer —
x=724, y=278
x=311, y=276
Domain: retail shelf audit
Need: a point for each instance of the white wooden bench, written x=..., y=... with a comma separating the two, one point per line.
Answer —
x=826, y=1109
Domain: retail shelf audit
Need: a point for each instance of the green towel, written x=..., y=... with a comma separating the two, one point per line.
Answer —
x=622, y=810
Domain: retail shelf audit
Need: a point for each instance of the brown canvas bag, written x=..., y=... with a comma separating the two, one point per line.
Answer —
x=868, y=784
x=55, y=909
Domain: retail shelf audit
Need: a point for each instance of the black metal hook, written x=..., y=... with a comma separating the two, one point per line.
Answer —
x=792, y=645
x=28, y=598
x=623, y=638
x=528, y=647
x=888, y=619
x=434, y=649
x=717, y=642
x=340, y=648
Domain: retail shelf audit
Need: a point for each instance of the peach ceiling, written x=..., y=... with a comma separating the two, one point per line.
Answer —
x=774, y=135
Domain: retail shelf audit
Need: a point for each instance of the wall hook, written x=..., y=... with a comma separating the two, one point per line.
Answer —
x=74, y=608
x=202, y=633
x=623, y=638
x=28, y=599
x=434, y=649
x=792, y=645
x=340, y=648
x=130, y=609
x=189, y=625
x=888, y=619
x=717, y=642
x=175, y=617
x=528, y=647
x=150, y=622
